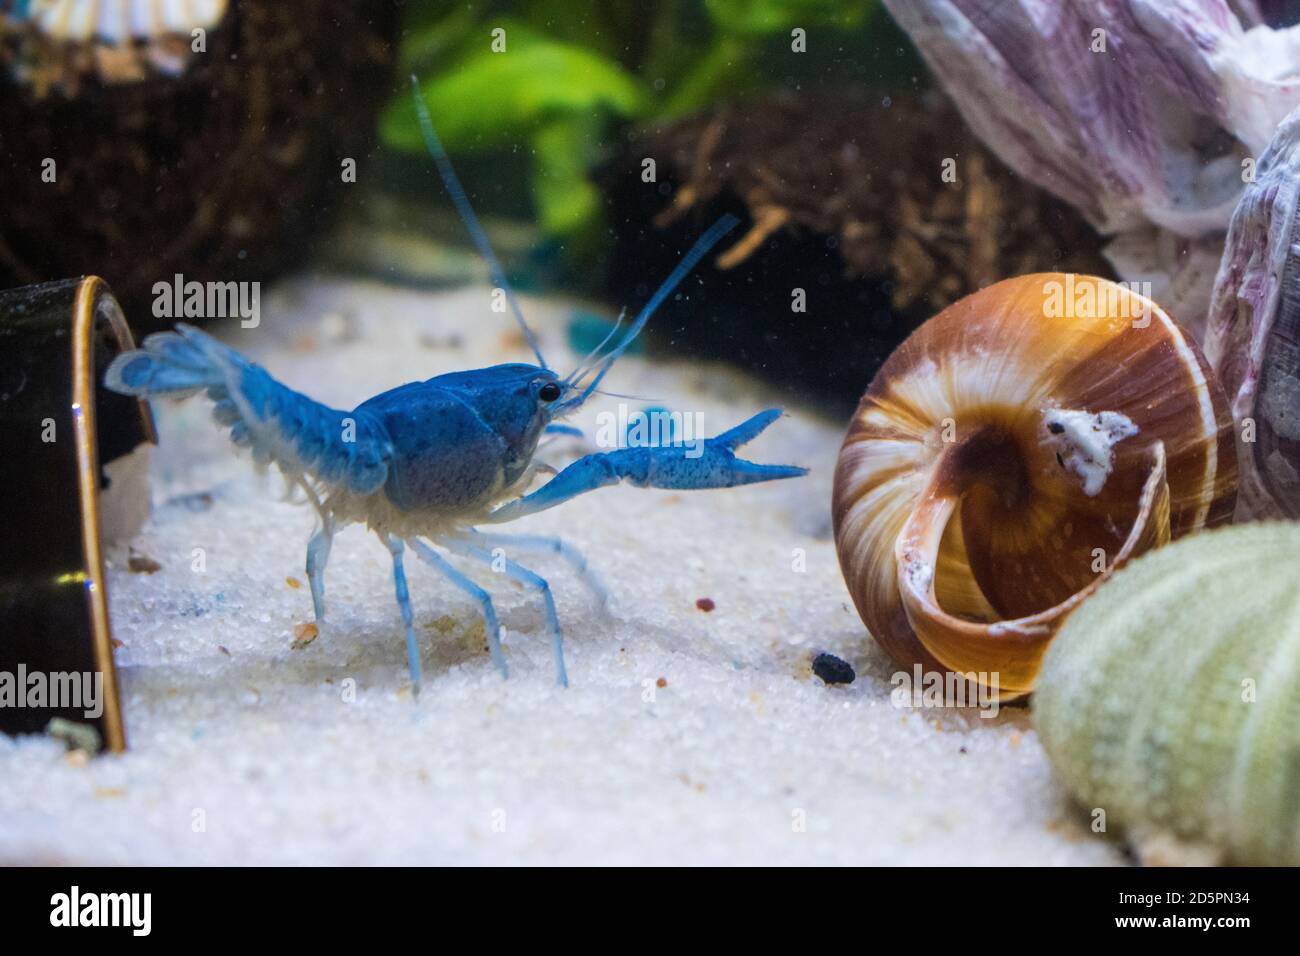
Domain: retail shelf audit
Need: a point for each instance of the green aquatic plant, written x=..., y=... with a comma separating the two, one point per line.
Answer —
x=550, y=93
x=1169, y=702
x=558, y=82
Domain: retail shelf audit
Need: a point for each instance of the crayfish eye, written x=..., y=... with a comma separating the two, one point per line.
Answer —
x=549, y=392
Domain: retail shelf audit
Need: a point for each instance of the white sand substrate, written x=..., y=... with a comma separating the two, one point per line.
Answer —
x=686, y=737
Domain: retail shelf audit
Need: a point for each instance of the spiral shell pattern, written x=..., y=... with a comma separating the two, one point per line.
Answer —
x=1009, y=455
x=119, y=21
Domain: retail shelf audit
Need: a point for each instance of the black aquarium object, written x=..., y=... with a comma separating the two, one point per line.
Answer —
x=62, y=430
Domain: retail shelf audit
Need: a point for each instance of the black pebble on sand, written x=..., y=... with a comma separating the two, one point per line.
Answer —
x=833, y=670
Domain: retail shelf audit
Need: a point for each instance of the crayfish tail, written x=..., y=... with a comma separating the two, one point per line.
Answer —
x=168, y=364
x=277, y=424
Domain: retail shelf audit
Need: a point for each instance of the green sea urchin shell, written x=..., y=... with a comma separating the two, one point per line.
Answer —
x=1171, y=698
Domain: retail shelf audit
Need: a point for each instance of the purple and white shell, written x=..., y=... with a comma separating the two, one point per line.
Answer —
x=1253, y=332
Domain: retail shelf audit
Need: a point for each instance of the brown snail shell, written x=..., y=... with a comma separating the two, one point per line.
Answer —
x=1009, y=455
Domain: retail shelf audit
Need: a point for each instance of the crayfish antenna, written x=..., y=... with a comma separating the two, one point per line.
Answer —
x=466, y=211
x=697, y=252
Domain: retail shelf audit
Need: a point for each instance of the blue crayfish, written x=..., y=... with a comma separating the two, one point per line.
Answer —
x=435, y=459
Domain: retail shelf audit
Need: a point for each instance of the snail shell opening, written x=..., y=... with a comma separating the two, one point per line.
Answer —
x=1009, y=455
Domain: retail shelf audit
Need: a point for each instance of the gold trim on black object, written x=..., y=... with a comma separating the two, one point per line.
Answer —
x=94, y=300
x=55, y=341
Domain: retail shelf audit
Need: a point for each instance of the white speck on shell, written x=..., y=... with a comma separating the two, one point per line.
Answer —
x=1085, y=442
x=999, y=628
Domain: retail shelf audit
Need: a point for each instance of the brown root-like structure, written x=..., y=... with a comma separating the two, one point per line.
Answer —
x=1013, y=452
